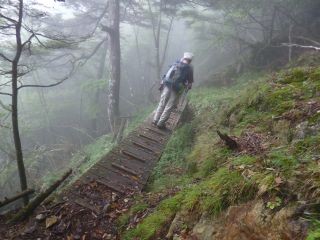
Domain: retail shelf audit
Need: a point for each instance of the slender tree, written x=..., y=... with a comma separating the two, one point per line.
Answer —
x=15, y=27
x=113, y=31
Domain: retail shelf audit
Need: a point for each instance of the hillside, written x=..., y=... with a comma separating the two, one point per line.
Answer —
x=268, y=188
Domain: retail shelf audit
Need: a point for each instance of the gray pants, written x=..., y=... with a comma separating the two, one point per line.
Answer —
x=168, y=100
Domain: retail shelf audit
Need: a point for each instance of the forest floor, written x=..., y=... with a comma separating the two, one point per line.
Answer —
x=267, y=188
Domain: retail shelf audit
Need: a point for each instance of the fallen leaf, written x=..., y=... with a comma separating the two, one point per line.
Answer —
x=70, y=237
x=51, y=221
x=278, y=180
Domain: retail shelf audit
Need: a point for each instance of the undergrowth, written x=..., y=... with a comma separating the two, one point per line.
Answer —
x=211, y=177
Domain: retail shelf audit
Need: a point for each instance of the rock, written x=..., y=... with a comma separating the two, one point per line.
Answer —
x=40, y=217
x=301, y=130
x=304, y=130
x=204, y=229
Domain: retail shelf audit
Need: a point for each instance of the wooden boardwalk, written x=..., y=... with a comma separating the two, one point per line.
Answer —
x=127, y=167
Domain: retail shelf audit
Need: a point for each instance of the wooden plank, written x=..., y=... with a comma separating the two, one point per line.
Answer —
x=113, y=188
x=156, y=131
x=149, y=138
x=145, y=147
x=113, y=175
x=133, y=156
x=125, y=169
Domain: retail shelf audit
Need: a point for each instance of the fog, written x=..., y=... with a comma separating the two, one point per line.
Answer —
x=71, y=54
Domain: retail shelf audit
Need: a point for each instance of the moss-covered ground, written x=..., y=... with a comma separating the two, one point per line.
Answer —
x=275, y=119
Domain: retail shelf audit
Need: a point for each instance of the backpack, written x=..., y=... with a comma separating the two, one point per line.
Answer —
x=176, y=75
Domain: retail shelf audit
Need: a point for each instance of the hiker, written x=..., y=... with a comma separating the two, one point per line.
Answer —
x=178, y=78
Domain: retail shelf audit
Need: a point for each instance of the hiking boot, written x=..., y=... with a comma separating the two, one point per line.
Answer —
x=161, y=126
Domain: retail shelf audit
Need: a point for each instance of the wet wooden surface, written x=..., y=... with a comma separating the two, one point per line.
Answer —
x=127, y=167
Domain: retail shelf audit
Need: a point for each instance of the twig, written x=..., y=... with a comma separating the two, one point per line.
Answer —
x=6, y=94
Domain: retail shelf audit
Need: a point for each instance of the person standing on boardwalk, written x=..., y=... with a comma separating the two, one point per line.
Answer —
x=178, y=78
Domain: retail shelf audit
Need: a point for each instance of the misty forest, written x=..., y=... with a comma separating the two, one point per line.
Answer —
x=139, y=119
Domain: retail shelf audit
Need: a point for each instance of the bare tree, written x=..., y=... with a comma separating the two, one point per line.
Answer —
x=13, y=28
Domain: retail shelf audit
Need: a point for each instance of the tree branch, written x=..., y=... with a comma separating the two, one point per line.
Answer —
x=87, y=57
x=28, y=40
x=300, y=46
x=5, y=57
x=307, y=39
x=43, y=86
x=8, y=19
x=6, y=94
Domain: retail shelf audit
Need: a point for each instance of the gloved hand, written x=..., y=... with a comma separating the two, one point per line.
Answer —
x=161, y=87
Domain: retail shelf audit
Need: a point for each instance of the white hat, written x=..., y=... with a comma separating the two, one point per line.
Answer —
x=188, y=55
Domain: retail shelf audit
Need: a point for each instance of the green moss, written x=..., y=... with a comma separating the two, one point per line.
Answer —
x=283, y=160
x=280, y=100
x=222, y=189
x=294, y=75
x=138, y=208
x=192, y=197
x=252, y=117
x=314, y=233
x=213, y=160
x=153, y=224
x=265, y=180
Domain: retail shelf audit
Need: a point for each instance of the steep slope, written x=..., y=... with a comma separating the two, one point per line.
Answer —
x=265, y=189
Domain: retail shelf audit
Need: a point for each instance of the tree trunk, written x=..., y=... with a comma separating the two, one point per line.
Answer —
x=14, y=114
x=114, y=58
x=100, y=75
